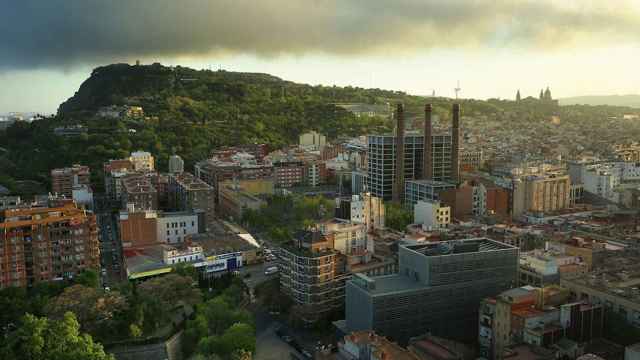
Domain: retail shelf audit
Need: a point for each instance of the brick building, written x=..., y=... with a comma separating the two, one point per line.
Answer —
x=65, y=179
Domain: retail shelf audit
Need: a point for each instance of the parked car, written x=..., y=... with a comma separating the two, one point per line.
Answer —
x=271, y=270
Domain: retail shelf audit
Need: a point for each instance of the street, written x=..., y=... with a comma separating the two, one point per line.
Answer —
x=110, y=249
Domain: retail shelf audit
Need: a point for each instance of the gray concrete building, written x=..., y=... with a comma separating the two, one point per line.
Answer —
x=437, y=290
x=423, y=190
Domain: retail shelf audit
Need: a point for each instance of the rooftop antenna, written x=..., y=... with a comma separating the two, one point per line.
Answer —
x=457, y=89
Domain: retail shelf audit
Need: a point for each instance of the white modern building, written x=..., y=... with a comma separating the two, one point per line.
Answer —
x=184, y=254
x=83, y=196
x=603, y=179
x=432, y=215
x=172, y=228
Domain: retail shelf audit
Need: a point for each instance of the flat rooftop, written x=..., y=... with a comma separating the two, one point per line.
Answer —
x=432, y=183
x=454, y=247
x=389, y=284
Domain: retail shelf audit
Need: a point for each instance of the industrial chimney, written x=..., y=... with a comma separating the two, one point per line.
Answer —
x=427, y=165
x=398, y=188
x=455, y=145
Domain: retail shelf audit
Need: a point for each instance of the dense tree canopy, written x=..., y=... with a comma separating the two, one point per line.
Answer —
x=45, y=339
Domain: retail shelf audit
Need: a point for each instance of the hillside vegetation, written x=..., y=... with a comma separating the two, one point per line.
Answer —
x=191, y=112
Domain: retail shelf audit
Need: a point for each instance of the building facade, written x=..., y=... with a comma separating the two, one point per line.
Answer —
x=424, y=190
x=188, y=193
x=176, y=164
x=381, y=162
x=437, y=289
x=432, y=215
x=45, y=244
x=142, y=161
x=64, y=180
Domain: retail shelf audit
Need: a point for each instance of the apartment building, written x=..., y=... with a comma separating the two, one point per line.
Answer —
x=614, y=286
x=362, y=209
x=540, y=317
x=432, y=215
x=65, y=179
x=288, y=173
x=312, y=274
x=541, y=193
x=188, y=193
x=142, y=161
x=313, y=140
x=232, y=165
x=138, y=193
x=114, y=171
x=437, y=289
x=46, y=243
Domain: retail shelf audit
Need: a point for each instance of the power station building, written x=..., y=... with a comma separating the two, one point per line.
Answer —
x=432, y=157
x=437, y=290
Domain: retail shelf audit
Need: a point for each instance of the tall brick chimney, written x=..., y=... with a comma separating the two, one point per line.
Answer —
x=427, y=166
x=455, y=144
x=398, y=188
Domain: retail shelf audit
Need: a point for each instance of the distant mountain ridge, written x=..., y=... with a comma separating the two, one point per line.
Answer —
x=612, y=100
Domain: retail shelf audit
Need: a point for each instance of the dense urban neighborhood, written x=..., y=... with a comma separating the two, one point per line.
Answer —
x=368, y=225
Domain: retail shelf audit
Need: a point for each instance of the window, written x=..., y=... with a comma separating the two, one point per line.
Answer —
x=168, y=231
x=167, y=225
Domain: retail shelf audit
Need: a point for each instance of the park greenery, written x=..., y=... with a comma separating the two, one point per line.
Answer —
x=41, y=338
x=128, y=313
x=282, y=216
x=221, y=327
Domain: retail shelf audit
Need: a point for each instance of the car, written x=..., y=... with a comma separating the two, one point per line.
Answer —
x=271, y=270
x=286, y=338
x=306, y=354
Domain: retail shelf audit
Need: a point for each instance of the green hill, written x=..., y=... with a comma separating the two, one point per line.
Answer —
x=191, y=112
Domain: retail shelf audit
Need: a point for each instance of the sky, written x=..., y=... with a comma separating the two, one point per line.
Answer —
x=493, y=47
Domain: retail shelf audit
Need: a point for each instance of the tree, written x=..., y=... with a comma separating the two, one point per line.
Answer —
x=157, y=298
x=238, y=337
x=88, y=278
x=45, y=339
x=212, y=319
x=97, y=311
x=396, y=217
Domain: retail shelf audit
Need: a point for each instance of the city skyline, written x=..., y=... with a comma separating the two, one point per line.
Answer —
x=576, y=48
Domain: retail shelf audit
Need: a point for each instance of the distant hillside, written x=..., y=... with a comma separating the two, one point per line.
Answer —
x=191, y=112
x=612, y=100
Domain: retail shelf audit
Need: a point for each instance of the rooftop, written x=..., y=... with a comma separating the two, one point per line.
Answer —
x=453, y=247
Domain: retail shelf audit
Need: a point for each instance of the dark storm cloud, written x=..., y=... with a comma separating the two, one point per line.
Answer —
x=62, y=33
